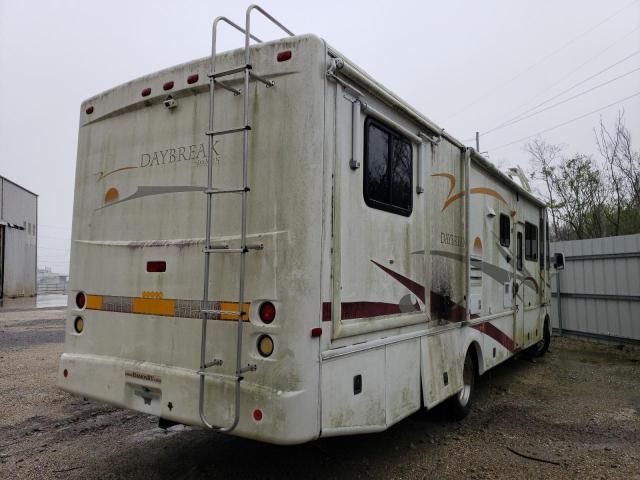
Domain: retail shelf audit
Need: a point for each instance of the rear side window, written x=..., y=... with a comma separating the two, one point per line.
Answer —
x=388, y=169
x=530, y=241
x=505, y=230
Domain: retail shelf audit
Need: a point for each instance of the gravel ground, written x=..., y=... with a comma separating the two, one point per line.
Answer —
x=577, y=409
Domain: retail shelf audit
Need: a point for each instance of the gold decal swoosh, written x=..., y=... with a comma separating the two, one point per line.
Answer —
x=102, y=175
x=474, y=191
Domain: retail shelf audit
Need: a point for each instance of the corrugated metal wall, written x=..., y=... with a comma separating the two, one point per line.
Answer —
x=599, y=287
x=18, y=219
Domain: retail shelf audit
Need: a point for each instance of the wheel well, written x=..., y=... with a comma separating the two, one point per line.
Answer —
x=476, y=355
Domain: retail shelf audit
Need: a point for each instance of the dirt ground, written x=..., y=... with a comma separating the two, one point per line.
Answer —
x=577, y=408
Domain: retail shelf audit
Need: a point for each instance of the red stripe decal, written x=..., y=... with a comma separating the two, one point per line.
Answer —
x=497, y=334
x=352, y=310
x=414, y=287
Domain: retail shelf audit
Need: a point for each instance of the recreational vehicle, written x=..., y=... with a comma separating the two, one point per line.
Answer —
x=268, y=242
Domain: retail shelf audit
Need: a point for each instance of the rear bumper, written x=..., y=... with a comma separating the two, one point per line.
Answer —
x=172, y=393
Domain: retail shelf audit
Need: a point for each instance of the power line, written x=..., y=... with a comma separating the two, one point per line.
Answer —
x=568, y=74
x=518, y=120
x=508, y=122
x=564, y=123
x=538, y=62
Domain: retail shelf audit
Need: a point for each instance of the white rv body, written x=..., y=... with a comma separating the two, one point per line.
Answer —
x=372, y=319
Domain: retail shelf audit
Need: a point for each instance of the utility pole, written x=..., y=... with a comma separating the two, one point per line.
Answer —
x=478, y=142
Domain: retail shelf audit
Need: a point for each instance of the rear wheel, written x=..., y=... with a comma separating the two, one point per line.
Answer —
x=460, y=404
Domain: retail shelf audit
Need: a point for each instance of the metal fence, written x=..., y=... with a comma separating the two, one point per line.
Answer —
x=599, y=289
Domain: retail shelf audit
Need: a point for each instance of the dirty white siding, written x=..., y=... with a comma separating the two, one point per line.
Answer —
x=18, y=220
x=599, y=287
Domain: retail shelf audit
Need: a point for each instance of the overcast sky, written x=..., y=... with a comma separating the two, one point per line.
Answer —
x=467, y=65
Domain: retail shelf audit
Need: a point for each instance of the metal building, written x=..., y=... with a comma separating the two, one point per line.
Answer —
x=599, y=289
x=18, y=240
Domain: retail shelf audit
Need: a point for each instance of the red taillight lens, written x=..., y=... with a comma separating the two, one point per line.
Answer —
x=81, y=299
x=267, y=312
x=156, y=266
x=284, y=56
x=65, y=372
x=168, y=85
x=89, y=110
x=146, y=92
x=192, y=78
x=257, y=414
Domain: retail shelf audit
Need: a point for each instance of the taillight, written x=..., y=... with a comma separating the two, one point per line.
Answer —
x=168, y=85
x=265, y=345
x=146, y=92
x=157, y=266
x=89, y=110
x=257, y=414
x=192, y=78
x=81, y=300
x=267, y=312
x=284, y=56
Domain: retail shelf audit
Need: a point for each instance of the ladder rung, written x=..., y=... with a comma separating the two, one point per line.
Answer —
x=216, y=362
x=249, y=368
x=268, y=83
x=214, y=191
x=222, y=246
x=226, y=249
x=235, y=91
x=233, y=130
x=231, y=71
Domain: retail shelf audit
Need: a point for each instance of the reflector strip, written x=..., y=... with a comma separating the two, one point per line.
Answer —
x=153, y=306
x=152, y=303
x=94, y=302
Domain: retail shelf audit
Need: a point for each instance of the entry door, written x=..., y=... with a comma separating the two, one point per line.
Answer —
x=518, y=288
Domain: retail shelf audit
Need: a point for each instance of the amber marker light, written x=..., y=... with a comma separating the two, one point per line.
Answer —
x=265, y=345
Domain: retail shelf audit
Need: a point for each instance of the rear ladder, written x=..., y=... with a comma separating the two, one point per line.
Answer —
x=206, y=310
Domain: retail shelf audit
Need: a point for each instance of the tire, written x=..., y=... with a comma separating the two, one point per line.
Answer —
x=459, y=405
x=540, y=348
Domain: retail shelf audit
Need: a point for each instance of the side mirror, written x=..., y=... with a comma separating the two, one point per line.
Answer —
x=558, y=261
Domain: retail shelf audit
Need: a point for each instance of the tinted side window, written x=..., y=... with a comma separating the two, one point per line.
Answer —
x=548, y=246
x=519, y=251
x=541, y=245
x=388, y=167
x=530, y=241
x=505, y=230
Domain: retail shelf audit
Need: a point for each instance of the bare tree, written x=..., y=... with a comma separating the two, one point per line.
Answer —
x=543, y=160
x=609, y=146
